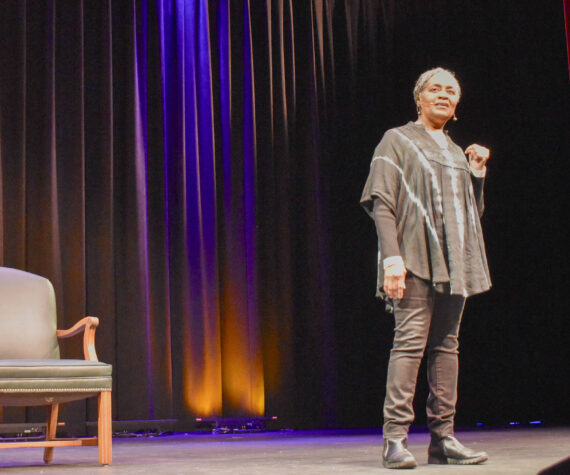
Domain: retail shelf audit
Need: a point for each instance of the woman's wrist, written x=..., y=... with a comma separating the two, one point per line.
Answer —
x=392, y=260
x=478, y=173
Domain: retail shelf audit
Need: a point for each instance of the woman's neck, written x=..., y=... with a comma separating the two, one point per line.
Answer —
x=429, y=125
x=437, y=134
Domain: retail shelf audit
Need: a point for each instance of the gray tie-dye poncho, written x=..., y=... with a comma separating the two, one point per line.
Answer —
x=430, y=190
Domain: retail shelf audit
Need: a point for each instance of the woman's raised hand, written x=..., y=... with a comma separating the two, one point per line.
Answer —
x=478, y=156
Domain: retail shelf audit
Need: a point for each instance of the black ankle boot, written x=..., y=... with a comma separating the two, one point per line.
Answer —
x=396, y=454
x=449, y=450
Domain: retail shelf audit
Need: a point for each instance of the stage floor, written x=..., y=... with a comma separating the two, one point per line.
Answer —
x=511, y=451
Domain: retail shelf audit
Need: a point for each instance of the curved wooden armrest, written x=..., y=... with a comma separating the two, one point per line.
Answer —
x=87, y=325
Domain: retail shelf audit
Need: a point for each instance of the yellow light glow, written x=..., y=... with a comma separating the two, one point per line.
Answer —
x=242, y=363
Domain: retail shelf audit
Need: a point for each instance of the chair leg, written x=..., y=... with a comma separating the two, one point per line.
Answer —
x=105, y=428
x=51, y=430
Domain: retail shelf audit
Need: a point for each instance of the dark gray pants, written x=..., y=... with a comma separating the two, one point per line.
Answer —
x=424, y=319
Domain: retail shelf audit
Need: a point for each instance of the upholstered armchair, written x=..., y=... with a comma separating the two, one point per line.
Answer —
x=31, y=371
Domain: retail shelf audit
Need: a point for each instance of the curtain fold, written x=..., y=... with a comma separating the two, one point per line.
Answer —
x=566, y=4
x=243, y=387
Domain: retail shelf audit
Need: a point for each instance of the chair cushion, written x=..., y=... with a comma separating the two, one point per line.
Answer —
x=54, y=375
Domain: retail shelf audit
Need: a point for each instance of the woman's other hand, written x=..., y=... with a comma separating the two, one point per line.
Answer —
x=478, y=156
x=395, y=281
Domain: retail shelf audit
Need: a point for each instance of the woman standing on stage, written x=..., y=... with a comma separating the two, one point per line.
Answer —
x=426, y=199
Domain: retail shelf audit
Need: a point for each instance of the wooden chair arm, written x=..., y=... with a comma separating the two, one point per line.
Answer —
x=87, y=325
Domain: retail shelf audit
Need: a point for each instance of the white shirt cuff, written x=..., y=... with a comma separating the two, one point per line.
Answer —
x=390, y=261
x=479, y=173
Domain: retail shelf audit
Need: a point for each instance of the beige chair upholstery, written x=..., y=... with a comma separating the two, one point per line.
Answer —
x=31, y=371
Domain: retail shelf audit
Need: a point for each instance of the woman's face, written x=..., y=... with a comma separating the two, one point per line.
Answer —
x=439, y=98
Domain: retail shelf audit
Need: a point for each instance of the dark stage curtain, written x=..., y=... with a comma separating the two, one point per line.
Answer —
x=189, y=171
x=567, y=20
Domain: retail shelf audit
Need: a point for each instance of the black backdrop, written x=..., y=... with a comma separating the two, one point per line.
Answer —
x=511, y=62
x=329, y=80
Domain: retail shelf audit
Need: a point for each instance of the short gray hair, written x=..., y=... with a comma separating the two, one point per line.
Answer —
x=424, y=78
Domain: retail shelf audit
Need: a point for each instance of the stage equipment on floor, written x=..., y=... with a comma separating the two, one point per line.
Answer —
x=226, y=425
x=31, y=371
